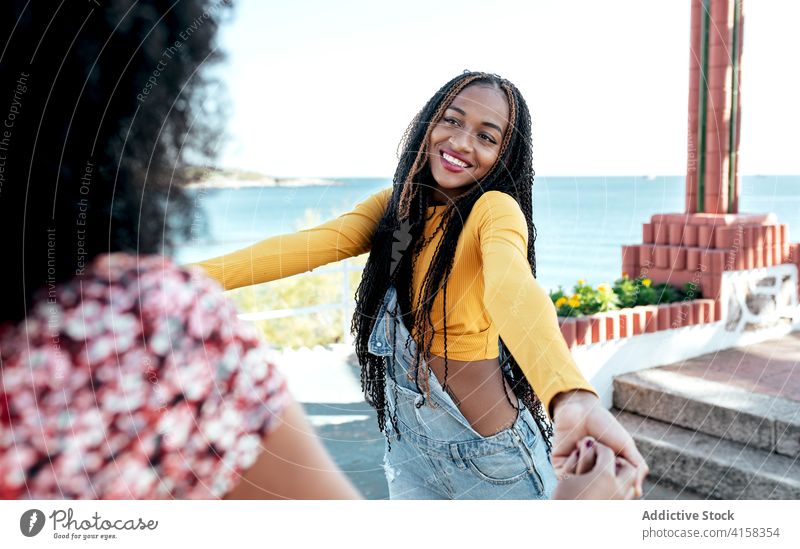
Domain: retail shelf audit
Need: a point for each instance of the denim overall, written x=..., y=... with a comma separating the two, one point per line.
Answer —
x=438, y=454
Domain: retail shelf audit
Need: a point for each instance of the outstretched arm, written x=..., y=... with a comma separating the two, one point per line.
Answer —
x=520, y=308
x=527, y=322
x=284, y=255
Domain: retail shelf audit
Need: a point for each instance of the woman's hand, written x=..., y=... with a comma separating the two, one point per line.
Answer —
x=592, y=472
x=578, y=414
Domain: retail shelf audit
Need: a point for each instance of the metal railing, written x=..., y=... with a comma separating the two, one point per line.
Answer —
x=346, y=302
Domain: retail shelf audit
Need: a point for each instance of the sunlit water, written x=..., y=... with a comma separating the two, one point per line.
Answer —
x=581, y=222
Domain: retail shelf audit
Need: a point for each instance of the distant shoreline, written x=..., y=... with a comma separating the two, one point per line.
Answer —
x=233, y=183
x=231, y=179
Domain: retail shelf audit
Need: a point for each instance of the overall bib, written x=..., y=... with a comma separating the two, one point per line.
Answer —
x=438, y=455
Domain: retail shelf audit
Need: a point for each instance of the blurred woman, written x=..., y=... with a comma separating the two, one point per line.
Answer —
x=123, y=375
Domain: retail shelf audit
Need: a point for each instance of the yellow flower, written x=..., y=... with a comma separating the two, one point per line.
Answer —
x=574, y=302
x=560, y=301
x=581, y=282
x=646, y=282
x=603, y=287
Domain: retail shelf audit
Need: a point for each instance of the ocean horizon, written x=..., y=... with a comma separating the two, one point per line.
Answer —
x=581, y=222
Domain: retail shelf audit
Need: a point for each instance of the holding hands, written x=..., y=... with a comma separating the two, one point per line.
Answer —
x=593, y=472
x=587, y=438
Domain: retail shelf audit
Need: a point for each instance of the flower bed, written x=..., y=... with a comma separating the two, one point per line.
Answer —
x=625, y=293
x=629, y=307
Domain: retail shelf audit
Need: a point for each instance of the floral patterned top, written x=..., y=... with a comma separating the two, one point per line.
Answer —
x=135, y=381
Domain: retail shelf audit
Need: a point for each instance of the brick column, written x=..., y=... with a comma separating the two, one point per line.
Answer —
x=711, y=236
x=718, y=92
x=692, y=159
x=714, y=106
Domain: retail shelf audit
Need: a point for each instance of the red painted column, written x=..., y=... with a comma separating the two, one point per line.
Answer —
x=718, y=107
x=692, y=158
x=738, y=76
x=698, y=246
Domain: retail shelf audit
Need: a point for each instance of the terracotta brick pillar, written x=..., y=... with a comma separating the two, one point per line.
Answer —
x=711, y=237
x=692, y=158
x=714, y=106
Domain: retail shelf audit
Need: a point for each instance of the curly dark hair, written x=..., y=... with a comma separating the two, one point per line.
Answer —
x=104, y=107
x=512, y=174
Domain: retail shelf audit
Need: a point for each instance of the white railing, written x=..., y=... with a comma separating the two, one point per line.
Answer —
x=346, y=302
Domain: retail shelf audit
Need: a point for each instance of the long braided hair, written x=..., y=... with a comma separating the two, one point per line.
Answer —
x=406, y=215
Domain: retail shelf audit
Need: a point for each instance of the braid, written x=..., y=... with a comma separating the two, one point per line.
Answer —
x=444, y=325
x=422, y=314
x=512, y=174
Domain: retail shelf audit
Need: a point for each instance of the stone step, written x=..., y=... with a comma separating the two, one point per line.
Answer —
x=710, y=466
x=660, y=488
x=719, y=409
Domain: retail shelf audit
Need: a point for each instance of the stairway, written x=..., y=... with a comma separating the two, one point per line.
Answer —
x=712, y=438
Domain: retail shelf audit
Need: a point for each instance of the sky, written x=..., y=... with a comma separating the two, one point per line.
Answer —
x=326, y=88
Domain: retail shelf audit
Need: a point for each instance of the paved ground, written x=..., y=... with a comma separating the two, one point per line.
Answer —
x=771, y=368
x=326, y=382
x=357, y=447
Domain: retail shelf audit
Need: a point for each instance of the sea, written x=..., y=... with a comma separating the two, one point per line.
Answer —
x=581, y=222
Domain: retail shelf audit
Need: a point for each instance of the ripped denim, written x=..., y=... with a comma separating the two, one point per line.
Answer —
x=435, y=453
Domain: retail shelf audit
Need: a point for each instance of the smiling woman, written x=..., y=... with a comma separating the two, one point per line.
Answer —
x=465, y=143
x=459, y=347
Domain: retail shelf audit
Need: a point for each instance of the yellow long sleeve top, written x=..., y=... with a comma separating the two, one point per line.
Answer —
x=491, y=290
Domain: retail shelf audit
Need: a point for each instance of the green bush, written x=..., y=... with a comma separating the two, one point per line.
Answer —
x=305, y=330
x=625, y=293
